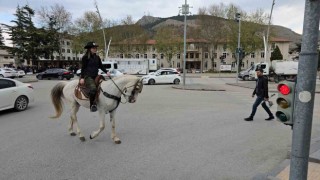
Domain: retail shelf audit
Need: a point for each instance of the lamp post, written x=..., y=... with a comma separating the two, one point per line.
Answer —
x=184, y=11
x=267, y=38
x=238, y=19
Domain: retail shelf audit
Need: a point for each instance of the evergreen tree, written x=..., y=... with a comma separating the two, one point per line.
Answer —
x=1, y=38
x=276, y=54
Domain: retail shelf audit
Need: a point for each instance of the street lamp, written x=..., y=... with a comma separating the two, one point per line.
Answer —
x=184, y=10
x=238, y=19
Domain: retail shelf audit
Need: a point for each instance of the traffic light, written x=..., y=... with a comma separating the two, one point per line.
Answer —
x=285, y=101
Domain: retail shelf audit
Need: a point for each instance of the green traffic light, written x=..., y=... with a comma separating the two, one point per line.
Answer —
x=281, y=116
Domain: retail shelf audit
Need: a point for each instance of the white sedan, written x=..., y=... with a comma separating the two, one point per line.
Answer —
x=15, y=94
x=163, y=77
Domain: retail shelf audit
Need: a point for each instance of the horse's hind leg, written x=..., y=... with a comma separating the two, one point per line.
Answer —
x=73, y=117
x=113, y=132
x=102, y=115
x=74, y=121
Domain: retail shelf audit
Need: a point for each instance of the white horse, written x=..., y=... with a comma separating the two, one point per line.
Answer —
x=126, y=86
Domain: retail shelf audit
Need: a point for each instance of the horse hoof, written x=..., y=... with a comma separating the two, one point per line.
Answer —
x=91, y=137
x=117, y=142
x=73, y=134
x=82, y=139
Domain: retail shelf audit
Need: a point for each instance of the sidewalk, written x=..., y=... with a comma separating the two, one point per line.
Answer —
x=281, y=172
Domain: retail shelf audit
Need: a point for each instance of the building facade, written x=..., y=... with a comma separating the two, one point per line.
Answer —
x=200, y=54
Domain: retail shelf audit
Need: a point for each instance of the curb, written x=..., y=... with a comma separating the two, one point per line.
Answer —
x=197, y=87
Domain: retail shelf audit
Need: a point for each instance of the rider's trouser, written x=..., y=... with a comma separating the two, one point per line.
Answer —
x=89, y=82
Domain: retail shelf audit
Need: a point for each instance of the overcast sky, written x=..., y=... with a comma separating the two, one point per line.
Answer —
x=287, y=13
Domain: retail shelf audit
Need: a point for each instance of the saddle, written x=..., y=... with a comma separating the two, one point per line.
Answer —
x=82, y=92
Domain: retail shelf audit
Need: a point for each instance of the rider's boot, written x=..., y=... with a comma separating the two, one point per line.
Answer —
x=93, y=105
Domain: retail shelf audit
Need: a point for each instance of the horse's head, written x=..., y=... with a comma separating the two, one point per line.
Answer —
x=133, y=90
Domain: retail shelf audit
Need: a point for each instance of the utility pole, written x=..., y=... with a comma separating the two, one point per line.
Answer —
x=104, y=35
x=184, y=11
x=238, y=19
x=305, y=90
x=267, y=38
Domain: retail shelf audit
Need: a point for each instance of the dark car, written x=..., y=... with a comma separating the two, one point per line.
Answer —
x=55, y=73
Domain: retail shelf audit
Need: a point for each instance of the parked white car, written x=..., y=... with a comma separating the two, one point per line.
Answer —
x=113, y=73
x=20, y=73
x=162, y=77
x=164, y=69
x=15, y=94
x=7, y=73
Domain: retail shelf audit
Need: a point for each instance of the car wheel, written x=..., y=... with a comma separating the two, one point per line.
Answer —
x=1, y=76
x=246, y=78
x=176, y=81
x=68, y=78
x=60, y=77
x=21, y=103
x=151, y=82
x=39, y=77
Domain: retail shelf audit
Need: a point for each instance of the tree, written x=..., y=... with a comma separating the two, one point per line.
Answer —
x=1, y=38
x=60, y=16
x=168, y=42
x=128, y=20
x=276, y=54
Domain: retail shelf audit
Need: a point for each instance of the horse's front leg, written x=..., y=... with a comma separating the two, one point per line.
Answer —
x=102, y=115
x=113, y=132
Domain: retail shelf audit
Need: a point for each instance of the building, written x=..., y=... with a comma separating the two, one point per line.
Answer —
x=6, y=59
x=200, y=55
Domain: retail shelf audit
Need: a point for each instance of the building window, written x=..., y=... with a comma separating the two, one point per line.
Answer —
x=161, y=57
x=197, y=55
x=63, y=57
x=154, y=56
x=224, y=55
x=178, y=64
x=252, y=63
x=78, y=58
x=178, y=56
x=6, y=57
x=74, y=58
x=233, y=64
x=206, y=65
x=137, y=56
x=242, y=64
x=69, y=58
x=191, y=55
x=68, y=50
x=162, y=65
x=63, y=50
x=187, y=55
x=121, y=56
x=145, y=56
x=262, y=54
x=252, y=55
x=68, y=43
x=153, y=48
x=215, y=64
x=215, y=55
x=206, y=55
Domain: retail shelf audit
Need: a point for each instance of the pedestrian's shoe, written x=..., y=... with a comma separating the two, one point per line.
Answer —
x=248, y=119
x=93, y=108
x=270, y=118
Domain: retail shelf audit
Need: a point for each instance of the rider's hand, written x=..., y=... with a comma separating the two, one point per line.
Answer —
x=81, y=81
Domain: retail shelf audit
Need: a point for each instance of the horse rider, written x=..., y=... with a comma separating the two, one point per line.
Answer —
x=91, y=63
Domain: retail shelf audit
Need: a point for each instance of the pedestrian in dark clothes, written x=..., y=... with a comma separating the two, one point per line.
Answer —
x=261, y=90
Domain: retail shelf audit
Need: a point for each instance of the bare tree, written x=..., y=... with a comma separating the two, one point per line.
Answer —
x=128, y=20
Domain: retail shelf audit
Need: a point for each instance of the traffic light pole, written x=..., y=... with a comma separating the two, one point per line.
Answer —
x=305, y=90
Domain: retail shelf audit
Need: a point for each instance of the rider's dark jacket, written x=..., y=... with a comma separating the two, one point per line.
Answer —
x=91, y=65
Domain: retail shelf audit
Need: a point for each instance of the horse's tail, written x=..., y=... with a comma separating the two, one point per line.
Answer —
x=56, y=97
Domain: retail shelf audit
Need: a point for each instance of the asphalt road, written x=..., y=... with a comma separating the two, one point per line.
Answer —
x=167, y=134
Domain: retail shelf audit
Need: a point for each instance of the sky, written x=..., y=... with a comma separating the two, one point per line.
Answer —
x=287, y=13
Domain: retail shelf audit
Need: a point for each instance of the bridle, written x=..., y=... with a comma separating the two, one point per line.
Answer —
x=137, y=87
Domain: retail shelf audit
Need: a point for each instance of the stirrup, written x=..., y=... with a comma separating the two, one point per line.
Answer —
x=93, y=108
